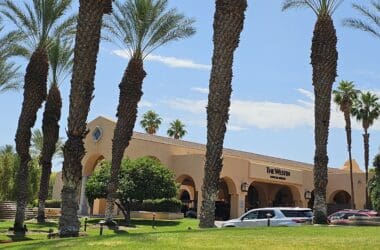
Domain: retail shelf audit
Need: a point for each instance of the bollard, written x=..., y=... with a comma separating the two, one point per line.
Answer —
x=268, y=217
x=101, y=223
x=85, y=224
x=154, y=221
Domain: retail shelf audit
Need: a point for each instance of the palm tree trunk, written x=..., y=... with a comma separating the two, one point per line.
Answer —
x=50, y=130
x=366, y=161
x=34, y=95
x=82, y=87
x=228, y=24
x=324, y=58
x=129, y=97
x=349, y=142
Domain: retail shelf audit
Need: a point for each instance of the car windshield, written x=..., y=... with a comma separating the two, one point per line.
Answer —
x=297, y=213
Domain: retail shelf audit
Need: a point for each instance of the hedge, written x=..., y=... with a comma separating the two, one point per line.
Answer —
x=160, y=205
x=49, y=203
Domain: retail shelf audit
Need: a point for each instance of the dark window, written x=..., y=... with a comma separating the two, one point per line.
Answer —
x=263, y=214
x=251, y=216
x=297, y=213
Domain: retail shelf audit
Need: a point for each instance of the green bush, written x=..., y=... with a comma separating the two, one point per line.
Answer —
x=159, y=205
x=53, y=204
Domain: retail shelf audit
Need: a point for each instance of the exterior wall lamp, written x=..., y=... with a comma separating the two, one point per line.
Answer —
x=307, y=195
x=244, y=187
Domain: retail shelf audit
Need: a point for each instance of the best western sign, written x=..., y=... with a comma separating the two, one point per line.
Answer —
x=275, y=174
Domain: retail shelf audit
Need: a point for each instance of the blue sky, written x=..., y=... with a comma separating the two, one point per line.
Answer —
x=272, y=101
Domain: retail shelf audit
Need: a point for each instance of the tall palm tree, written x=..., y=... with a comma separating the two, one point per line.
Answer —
x=177, y=129
x=345, y=96
x=37, y=22
x=82, y=86
x=366, y=110
x=60, y=58
x=324, y=59
x=228, y=24
x=370, y=22
x=139, y=27
x=151, y=122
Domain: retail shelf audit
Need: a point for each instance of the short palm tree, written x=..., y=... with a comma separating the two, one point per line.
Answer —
x=228, y=24
x=60, y=59
x=344, y=96
x=366, y=110
x=139, y=27
x=370, y=22
x=151, y=122
x=82, y=86
x=177, y=129
x=324, y=59
x=37, y=22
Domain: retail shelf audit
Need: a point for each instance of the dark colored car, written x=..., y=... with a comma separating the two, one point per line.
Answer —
x=342, y=217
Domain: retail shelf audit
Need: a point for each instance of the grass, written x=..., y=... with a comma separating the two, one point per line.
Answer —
x=177, y=235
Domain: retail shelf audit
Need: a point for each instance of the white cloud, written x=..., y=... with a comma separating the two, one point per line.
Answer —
x=200, y=90
x=145, y=104
x=269, y=115
x=172, y=62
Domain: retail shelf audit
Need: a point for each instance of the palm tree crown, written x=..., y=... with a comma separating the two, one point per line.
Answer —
x=366, y=109
x=345, y=95
x=371, y=18
x=151, y=122
x=141, y=26
x=319, y=7
x=177, y=129
x=60, y=56
x=40, y=21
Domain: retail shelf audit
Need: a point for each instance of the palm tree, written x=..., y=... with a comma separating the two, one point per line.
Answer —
x=82, y=86
x=366, y=109
x=370, y=23
x=60, y=58
x=37, y=23
x=228, y=24
x=177, y=129
x=139, y=27
x=324, y=59
x=151, y=122
x=345, y=96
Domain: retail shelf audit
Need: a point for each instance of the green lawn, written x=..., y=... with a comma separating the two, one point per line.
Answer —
x=184, y=234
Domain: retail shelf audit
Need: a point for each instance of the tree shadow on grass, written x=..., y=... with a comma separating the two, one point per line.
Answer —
x=18, y=237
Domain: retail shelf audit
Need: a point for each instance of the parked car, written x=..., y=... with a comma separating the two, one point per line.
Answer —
x=277, y=216
x=342, y=217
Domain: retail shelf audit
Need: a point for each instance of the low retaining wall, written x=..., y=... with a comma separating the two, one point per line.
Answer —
x=159, y=215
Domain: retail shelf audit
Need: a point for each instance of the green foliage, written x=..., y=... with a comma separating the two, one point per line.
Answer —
x=151, y=122
x=369, y=21
x=172, y=205
x=53, y=203
x=96, y=186
x=366, y=109
x=375, y=185
x=177, y=129
x=53, y=177
x=141, y=26
x=140, y=179
x=9, y=163
x=37, y=144
x=320, y=7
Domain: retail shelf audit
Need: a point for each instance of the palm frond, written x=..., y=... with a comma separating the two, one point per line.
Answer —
x=38, y=20
x=370, y=21
x=60, y=55
x=141, y=26
x=319, y=7
x=10, y=78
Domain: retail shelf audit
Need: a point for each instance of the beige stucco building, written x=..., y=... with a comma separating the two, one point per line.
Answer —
x=248, y=180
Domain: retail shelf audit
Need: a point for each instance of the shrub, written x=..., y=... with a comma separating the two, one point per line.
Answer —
x=53, y=204
x=162, y=205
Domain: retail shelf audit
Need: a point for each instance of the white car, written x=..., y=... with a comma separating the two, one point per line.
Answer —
x=275, y=216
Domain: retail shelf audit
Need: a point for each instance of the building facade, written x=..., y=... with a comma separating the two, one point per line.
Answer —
x=247, y=180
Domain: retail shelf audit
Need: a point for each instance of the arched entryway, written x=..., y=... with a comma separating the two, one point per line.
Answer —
x=223, y=201
x=284, y=198
x=188, y=195
x=339, y=200
x=256, y=197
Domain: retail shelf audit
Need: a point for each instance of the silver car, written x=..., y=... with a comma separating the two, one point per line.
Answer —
x=272, y=216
